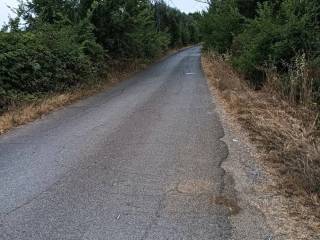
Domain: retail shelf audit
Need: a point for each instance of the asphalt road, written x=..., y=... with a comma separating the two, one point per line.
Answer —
x=142, y=161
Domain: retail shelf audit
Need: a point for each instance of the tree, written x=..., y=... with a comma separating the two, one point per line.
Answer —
x=220, y=24
x=63, y=43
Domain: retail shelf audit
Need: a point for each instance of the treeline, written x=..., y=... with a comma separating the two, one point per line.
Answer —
x=52, y=46
x=270, y=42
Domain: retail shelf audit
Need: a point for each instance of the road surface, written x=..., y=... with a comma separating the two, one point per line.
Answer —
x=142, y=161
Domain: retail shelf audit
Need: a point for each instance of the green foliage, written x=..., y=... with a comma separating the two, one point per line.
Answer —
x=181, y=28
x=253, y=47
x=63, y=43
x=138, y=28
x=127, y=28
x=277, y=35
x=267, y=33
x=247, y=8
x=49, y=59
x=222, y=22
x=50, y=11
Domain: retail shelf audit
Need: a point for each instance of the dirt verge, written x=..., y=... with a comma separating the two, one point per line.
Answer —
x=284, y=143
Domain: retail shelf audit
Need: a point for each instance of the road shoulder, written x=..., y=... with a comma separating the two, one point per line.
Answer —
x=255, y=184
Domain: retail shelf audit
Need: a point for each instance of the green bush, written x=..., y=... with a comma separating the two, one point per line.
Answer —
x=222, y=22
x=264, y=34
x=49, y=59
x=128, y=29
x=63, y=43
x=277, y=35
x=253, y=47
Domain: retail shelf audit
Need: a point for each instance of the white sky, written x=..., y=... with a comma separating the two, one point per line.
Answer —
x=5, y=11
x=187, y=5
x=184, y=5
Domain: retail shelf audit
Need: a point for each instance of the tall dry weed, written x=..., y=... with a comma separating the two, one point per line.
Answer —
x=284, y=132
x=297, y=87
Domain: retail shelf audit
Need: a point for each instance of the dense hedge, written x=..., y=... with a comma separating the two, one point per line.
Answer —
x=51, y=58
x=64, y=43
x=262, y=34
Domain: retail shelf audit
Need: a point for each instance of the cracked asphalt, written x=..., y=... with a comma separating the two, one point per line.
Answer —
x=140, y=161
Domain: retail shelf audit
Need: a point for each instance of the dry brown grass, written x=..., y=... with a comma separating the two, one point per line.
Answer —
x=285, y=135
x=27, y=112
x=118, y=70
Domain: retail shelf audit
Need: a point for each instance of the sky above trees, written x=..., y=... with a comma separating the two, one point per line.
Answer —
x=187, y=5
x=183, y=5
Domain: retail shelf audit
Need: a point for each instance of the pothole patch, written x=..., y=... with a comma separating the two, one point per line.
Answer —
x=230, y=204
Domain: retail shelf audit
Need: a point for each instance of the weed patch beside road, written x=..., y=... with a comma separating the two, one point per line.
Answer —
x=286, y=135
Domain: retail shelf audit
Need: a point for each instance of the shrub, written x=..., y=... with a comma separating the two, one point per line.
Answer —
x=253, y=47
x=49, y=59
x=62, y=44
x=277, y=36
x=222, y=22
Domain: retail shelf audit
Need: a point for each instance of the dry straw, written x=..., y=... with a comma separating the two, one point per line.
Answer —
x=284, y=132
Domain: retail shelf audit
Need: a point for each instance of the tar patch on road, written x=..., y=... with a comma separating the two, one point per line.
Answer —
x=230, y=204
